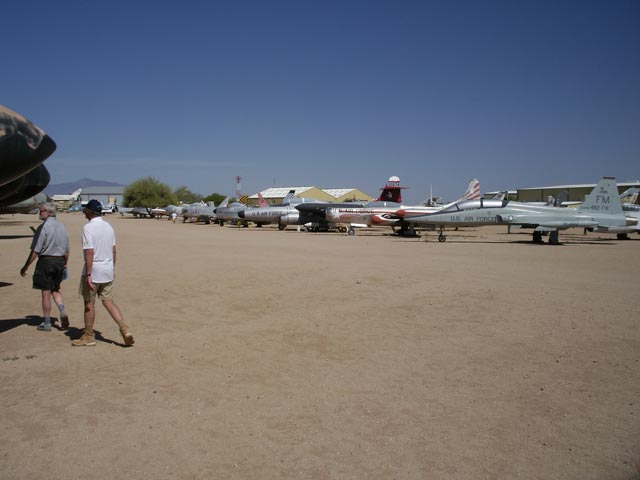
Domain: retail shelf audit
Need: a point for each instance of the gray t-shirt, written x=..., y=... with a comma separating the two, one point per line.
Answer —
x=51, y=238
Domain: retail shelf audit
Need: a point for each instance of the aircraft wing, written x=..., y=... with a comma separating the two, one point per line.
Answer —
x=316, y=212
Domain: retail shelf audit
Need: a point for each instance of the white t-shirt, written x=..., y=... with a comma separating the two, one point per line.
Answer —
x=99, y=236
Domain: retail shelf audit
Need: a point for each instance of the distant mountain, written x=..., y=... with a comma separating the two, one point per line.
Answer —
x=70, y=187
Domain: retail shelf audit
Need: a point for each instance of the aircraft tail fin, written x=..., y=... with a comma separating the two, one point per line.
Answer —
x=630, y=195
x=288, y=197
x=500, y=195
x=224, y=203
x=261, y=201
x=603, y=198
x=392, y=191
x=472, y=192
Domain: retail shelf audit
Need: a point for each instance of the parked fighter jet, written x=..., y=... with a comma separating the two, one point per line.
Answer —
x=229, y=213
x=201, y=211
x=142, y=212
x=316, y=213
x=23, y=148
x=283, y=213
x=69, y=198
x=601, y=210
x=382, y=213
x=630, y=209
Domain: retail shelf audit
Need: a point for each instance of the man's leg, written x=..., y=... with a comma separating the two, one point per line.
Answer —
x=116, y=314
x=46, y=311
x=64, y=318
x=89, y=316
x=88, y=337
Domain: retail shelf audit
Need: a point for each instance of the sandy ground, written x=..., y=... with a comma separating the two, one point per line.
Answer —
x=268, y=355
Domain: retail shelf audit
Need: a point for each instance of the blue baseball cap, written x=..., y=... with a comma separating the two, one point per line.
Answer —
x=94, y=205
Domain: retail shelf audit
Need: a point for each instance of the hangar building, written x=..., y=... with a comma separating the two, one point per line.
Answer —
x=104, y=195
x=576, y=193
x=275, y=195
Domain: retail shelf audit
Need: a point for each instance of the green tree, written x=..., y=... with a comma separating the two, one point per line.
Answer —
x=216, y=198
x=184, y=195
x=148, y=192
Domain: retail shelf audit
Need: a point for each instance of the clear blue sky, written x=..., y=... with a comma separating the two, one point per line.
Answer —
x=330, y=93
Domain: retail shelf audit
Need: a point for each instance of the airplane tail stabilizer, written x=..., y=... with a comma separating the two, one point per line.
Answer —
x=288, y=197
x=603, y=198
x=472, y=192
x=261, y=201
x=500, y=195
x=390, y=193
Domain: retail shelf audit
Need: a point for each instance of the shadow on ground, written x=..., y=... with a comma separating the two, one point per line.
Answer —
x=11, y=323
x=74, y=333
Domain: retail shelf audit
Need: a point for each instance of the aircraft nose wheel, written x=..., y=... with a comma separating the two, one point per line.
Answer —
x=442, y=237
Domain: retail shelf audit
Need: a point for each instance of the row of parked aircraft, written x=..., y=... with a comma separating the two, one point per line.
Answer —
x=24, y=147
x=601, y=211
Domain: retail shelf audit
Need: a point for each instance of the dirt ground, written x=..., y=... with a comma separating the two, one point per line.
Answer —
x=263, y=354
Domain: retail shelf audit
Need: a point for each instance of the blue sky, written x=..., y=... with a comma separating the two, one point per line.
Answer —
x=330, y=94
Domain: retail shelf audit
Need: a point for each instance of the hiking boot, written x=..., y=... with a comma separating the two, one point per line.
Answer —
x=85, y=341
x=64, y=321
x=128, y=338
x=44, y=327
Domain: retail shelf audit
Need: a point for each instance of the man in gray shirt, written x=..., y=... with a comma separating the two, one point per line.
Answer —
x=51, y=246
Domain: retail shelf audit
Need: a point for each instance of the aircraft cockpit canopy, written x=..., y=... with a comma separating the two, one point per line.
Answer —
x=475, y=205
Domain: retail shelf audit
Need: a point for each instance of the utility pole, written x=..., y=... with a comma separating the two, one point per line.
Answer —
x=238, y=187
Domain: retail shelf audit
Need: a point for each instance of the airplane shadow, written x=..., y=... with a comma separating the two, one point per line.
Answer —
x=14, y=237
x=527, y=243
x=567, y=241
x=5, y=284
x=18, y=223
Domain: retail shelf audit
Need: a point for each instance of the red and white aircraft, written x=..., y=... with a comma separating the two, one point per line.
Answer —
x=383, y=211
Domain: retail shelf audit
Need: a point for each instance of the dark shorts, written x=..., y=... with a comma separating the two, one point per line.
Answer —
x=48, y=273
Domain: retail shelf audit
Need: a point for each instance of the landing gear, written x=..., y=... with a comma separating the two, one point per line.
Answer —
x=281, y=226
x=441, y=236
x=537, y=237
x=405, y=231
x=553, y=238
x=351, y=231
x=622, y=236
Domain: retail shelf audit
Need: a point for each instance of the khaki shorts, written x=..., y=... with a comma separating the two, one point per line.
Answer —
x=103, y=290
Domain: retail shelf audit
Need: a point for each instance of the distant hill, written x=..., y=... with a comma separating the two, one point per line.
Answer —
x=70, y=187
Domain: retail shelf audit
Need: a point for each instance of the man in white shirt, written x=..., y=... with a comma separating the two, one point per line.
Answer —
x=98, y=274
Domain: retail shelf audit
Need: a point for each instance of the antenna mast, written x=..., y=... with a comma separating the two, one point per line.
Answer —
x=238, y=187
